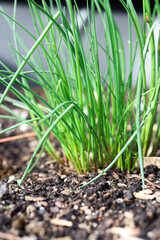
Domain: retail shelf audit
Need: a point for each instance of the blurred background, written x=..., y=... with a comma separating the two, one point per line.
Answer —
x=116, y=5
x=24, y=17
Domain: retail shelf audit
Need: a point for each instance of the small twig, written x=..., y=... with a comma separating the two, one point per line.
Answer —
x=154, y=184
x=45, y=178
x=13, y=138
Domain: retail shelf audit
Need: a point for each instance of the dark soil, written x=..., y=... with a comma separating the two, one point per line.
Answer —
x=50, y=205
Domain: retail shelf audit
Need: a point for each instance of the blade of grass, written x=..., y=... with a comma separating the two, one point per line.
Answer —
x=49, y=25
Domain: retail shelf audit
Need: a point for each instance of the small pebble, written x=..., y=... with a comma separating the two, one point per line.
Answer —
x=121, y=185
x=16, y=190
x=158, y=199
x=84, y=208
x=54, y=209
x=41, y=210
x=3, y=189
x=94, y=225
x=87, y=217
x=73, y=217
x=75, y=207
x=119, y=200
x=11, y=178
x=93, y=213
x=88, y=211
x=21, y=198
x=157, y=194
x=129, y=195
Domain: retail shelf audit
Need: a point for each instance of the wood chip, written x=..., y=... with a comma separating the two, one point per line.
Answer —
x=63, y=212
x=62, y=238
x=146, y=191
x=61, y=222
x=42, y=204
x=125, y=233
x=44, y=179
x=66, y=192
x=34, y=199
x=84, y=226
x=59, y=204
x=144, y=195
x=9, y=236
x=83, y=208
x=115, y=175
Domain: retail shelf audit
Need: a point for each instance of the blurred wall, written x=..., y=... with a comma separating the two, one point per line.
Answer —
x=24, y=17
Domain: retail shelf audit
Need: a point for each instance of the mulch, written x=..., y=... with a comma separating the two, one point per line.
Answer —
x=50, y=205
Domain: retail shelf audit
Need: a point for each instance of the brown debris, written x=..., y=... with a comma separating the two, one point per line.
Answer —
x=9, y=236
x=19, y=222
x=31, y=211
x=61, y=222
x=13, y=138
x=34, y=199
x=35, y=227
x=62, y=238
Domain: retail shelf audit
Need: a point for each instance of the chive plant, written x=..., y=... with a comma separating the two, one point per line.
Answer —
x=92, y=115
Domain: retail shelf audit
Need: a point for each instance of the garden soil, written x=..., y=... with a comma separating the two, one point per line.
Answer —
x=49, y=204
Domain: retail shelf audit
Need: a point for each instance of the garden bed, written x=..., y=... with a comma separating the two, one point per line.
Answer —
x=50, y=205
x=89, y=114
